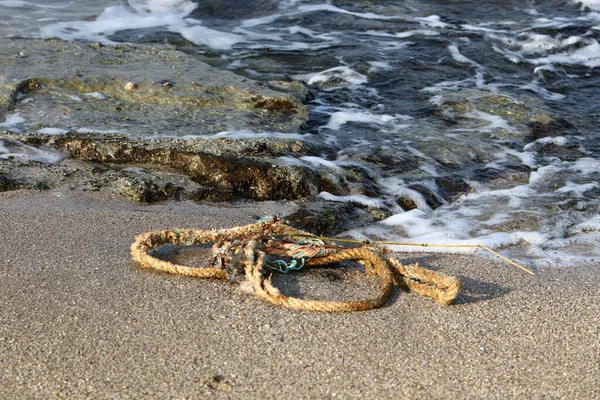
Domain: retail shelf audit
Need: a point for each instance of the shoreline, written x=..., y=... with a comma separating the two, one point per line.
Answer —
x=80, y=321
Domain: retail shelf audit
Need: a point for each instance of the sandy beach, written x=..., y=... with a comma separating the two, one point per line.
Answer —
x=79, y=320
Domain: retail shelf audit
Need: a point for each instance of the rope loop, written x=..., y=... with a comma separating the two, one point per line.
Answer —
x=269, y=244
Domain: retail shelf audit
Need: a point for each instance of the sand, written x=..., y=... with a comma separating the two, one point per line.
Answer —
x=79, y=320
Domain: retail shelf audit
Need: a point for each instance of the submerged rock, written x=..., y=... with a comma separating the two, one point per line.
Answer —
x=474, y=109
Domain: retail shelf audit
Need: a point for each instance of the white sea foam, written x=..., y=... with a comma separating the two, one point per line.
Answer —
x=585, y=166
x=433, y=21
x=201, y=35
x=535, y=87
x=309, y=8
x=592, y=224
x=590, y=4
x=541, y=49
x=11, y=121
x=458, y=57
x=10, y=149
x=578, y=188
x=588, y=55
x=101, y=131
x=404, y=34
x=20, y=3
x=343, y=117
x=332, y=8
x=405, y=192
x=163, y=6
x=495, y=122
x=96, y=95
x=473, y=219
x=377, y=66
x=474, y=28
x=52, y=131
x=15, y=3
x=249, y=23
x=357, y=198
x=319, y=161
x=537, y=144
x=335, y=77
x=247, y=134
x=143, y=15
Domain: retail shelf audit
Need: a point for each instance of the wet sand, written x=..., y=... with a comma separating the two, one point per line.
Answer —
x=78, y=320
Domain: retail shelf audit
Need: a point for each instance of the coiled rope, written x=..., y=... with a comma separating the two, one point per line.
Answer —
x=250, y=248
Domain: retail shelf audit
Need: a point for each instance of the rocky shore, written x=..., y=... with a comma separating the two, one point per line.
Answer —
x=153, y=123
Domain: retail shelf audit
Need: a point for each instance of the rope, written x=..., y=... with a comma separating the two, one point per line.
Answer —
x=247, y=249
x=448, y=245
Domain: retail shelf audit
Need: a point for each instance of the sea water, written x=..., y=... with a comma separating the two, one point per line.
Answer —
x=408, y=92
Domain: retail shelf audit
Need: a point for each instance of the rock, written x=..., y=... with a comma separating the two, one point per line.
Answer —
x=406, y=203
x=246, y=177
x=545, y=126
x=330, y=218
x=147, y=191
x=7, y=184
x=75, y=87
x=249, y=170
x=126, y=106
x=431, y=197
x=523, y=114
x=451, y=188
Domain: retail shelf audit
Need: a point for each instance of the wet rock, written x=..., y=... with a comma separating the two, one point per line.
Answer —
x=496, y=178
x=452, y=188
x=7, y=184
x=330, y=218
x=147, y=191
x=360, y=180
x=75, y=87
x=432, y=193
x=474, y=109
x=569, y=152
x=550, y=126
x=243, y=176
x=231, y=174
x=234, y=9
x=519, y=221
x=391, y=162
x=564, y=148
x=431, y=198
x=406, y=203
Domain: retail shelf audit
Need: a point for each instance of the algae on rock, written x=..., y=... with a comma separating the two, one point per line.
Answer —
x=139, y=91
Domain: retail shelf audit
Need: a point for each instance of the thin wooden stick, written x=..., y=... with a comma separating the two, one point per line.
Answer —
x=463, y=245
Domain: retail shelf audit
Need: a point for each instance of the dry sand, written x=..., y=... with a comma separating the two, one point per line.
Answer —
x=78, y=320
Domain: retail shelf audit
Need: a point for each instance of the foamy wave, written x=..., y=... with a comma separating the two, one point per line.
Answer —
x=334, y=77
x=544, y=49
x=343, y=117
x=163, y=6
x=143, y=15
x=588, y=4
x=11, y=121
x=357, y=198
x=20, y=3
x=10, y=149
